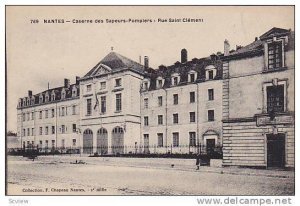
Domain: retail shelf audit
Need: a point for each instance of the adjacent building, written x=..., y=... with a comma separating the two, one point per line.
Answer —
x=241, y=100
x=258, y=102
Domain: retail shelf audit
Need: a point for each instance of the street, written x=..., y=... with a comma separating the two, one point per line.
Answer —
x=54, y=175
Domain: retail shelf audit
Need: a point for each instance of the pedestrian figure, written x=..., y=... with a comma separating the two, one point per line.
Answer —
x=198, y=161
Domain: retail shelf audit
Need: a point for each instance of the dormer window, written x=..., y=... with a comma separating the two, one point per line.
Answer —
x=275, y=54
x=102, y=85
x=20, y=103
x=32, y=100
x=53, y=96
x=175, y=79
x=74, y=91
x=210, y=72
x=24, y=102
x=145, y=84
x=46, y=97
x=159, y=82
x=41, y=99
x=192, y=76
x=28, y=101
x=63, y=94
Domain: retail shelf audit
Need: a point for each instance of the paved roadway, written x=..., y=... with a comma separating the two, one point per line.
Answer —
x=123, y=176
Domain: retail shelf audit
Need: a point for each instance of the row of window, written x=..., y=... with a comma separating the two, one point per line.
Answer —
x=47, y=131
x=102, y=104
x=47, y=143
x=210, y=118
x=62, y=111
x=176, y=142
x=176, y=98
x=118, y=83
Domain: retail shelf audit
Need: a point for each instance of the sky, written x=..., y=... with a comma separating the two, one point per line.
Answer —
x=40, y=53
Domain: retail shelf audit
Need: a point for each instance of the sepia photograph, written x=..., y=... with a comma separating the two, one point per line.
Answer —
x=150, y=100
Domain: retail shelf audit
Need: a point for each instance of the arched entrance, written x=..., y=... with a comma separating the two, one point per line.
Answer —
x=88, y=141
x=210, y=138
x=117, y=140
x=102, y=141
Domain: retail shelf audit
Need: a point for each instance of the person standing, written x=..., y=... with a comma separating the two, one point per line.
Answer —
x=198, y=161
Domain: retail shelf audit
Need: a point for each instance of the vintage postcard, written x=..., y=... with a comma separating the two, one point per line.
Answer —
x=150, y=100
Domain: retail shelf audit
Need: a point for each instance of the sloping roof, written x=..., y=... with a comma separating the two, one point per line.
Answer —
x=117, y=62
x=250, y=47
x=274, y=32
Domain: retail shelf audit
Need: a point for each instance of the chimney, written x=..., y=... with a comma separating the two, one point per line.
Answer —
x=226, y=47
x=183, y=55
x=29, y=93
x=140, y=59
x=77, y=79
x=256, y=38
x=146, y=62
x=67, y=83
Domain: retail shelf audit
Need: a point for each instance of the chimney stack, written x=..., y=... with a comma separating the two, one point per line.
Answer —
x=77, y=79
x=226, y=47
x=67, y=83
x=146, y=62
x=183, y=55
x=29, y=93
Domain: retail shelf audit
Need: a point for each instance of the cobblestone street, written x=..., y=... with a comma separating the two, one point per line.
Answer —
x=131, y=176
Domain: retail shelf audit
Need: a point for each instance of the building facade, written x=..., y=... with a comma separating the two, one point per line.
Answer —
x=240, y=100
x=258, y=102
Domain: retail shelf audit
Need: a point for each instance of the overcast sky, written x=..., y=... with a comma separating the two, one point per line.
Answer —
x=42, y=53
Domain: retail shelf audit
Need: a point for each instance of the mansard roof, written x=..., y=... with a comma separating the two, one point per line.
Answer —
x=114, y=62
x=183, y=69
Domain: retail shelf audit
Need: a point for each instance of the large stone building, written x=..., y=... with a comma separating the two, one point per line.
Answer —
x=258, y=102
x=121, y=106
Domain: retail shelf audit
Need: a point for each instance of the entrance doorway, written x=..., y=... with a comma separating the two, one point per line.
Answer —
x=275, y=150
x=102, y=141
x=88, y=141
x=210, y=146
x=117, y=140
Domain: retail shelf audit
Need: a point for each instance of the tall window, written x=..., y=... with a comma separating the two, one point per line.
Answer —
x=146, y=121
x=32, y=131
x=160, y=140
x=74, y=142
x=175, y=139
x=175, y=99
x=62, y=111
x=192, y=139
x=118, y=82
x=175, y=118
x=103, y=104
x=88, y=88
x=275, y=55
x=160, y=101
x=192, y=97
x=41, y=130
x=46, y=130
x=63, y=129
x=52, y=113
x=41, y=114
x=74, y=127
x=88, y=106
x=32, y=115
x=210, y=94
x=63, y=143
x=102, y=85
x=28, y=132
x=275, y=98
x=53, y=129
x=210, y=74
x=46, y=113
x=160, y=119
x=118, y=102
x=74, y=109
x=53, y=143
x=192, y=117
x=211, y=115
x=46, y=144
x=23, y=117
x=146, y=103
